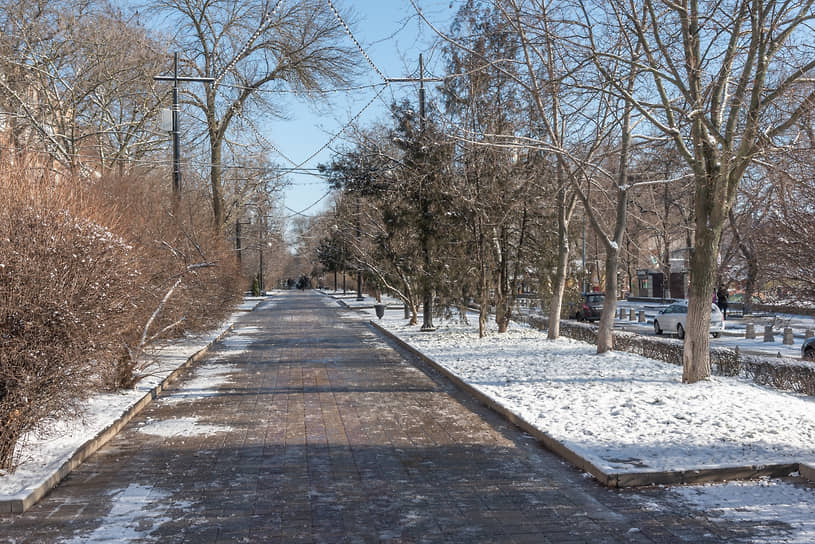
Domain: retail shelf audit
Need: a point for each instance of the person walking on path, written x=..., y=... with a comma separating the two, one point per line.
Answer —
x=721, y=300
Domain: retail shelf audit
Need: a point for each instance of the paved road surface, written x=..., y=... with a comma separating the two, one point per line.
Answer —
x=319, y=431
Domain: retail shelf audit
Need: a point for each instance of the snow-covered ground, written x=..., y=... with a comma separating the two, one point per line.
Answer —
x=624, y=412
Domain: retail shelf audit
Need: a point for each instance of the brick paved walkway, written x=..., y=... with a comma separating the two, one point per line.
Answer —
x=321, y=432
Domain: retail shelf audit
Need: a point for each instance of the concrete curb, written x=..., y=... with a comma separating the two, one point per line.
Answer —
x=610, y=479
x=19, y=504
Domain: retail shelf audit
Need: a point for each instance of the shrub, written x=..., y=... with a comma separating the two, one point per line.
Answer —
x=791, y=375
x=64, y=311
x=84, y=268
x=181, y=255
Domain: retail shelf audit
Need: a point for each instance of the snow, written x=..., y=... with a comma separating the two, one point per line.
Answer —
x=41, y=454
x=137, y=511
x=765, y=501
x=182, y=427
x=623, y=412
x=209, y=376
x=203, y=383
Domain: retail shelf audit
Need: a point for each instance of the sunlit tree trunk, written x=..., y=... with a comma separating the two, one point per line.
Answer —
x=565, y=207
x=696, y=354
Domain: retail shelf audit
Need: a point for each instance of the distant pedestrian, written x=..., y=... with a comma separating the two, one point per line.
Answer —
x=721, y=300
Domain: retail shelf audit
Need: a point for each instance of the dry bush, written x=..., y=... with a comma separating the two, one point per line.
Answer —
x=83, y=269
x=189, y=271
x=64, y=308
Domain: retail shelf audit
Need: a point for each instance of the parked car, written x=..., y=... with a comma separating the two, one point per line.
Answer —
x=591, y=307
x=674, y=318
x=808, y=349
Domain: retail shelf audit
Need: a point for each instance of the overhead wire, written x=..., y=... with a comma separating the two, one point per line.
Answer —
x=356, y=42
x=309, y=92
x=265, y=22
x=301, y=212
x=345, y=127
x=382, y=86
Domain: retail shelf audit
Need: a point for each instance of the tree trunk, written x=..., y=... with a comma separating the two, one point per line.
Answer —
x=483, y=289
x=750, y=286
x=750, y=258
x=483, y=313
x=411, y=312
x=605, y=333
x=605, y=330
x=513, y=283
x=427, y=310
x=696, y=353
x=427, y=276
x=216, y=185
x=558, y=288
x=502, y=311
x=564, y=210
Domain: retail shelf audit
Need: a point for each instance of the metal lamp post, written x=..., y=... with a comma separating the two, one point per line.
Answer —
x=427, y=313
x=176, y=144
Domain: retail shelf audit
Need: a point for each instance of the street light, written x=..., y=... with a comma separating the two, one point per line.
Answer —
x=359, y=248
x=176, y=145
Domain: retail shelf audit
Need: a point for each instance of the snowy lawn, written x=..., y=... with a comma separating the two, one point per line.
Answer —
x=622, y=412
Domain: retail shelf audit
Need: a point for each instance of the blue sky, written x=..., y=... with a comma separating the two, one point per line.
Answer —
x=393, y=36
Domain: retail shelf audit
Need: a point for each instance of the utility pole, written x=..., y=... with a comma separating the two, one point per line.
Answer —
x=238, y=231
x=424, y=204
x=176, y=145
x=359, y=248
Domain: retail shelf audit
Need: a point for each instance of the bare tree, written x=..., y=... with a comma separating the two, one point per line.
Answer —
x=549, y=77
x=248, y=47
x=781, y=225
x=728, y=80
x=79, y=83
x=663, y=211
x=493, y=188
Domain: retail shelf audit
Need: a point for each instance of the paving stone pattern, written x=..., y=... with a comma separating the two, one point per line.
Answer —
x=325, y=433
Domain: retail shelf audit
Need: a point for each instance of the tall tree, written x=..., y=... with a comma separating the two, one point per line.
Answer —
x=249, y=46
x=494, y=188
x=726, y=81
x=78, y=83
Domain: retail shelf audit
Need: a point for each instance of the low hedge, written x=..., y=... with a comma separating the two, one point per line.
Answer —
x=787, y=374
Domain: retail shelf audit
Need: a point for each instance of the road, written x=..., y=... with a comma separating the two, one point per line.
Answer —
x=304, y=426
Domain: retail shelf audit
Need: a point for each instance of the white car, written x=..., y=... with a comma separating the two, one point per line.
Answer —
x=672, y=319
